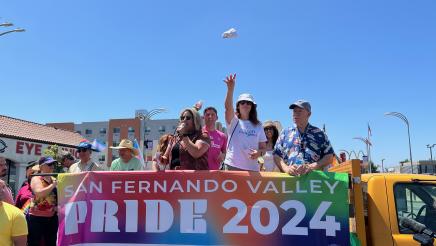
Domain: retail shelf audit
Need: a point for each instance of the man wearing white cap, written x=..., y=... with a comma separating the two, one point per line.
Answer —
x=127, y=160
x=303, y=147
x=247, y=140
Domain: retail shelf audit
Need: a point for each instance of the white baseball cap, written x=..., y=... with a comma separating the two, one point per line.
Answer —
x=246, y=97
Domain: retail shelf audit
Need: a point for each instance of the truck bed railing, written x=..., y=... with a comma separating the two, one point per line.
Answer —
x=357, y=218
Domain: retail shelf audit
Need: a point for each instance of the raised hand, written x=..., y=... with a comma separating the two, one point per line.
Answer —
x=230, y=80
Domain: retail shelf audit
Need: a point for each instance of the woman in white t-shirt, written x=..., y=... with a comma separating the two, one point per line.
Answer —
x=247, y=140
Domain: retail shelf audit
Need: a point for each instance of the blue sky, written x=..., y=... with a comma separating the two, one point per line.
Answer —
x=353, y=60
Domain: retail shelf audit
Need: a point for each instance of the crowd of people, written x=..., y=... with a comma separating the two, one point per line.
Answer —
x=248, y=145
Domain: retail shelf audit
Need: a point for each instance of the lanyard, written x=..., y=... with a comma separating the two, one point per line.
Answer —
x=302, y=138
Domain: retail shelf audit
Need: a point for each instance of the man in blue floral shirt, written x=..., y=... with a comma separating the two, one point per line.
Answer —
x=302, y=148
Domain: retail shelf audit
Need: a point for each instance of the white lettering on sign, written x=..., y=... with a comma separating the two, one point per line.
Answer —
x=159, y=217
x=75, y=214
x=191, y=216
x=207, y=185
x=103, y=216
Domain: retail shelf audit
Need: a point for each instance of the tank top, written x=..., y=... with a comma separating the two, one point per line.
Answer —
x=44, y=206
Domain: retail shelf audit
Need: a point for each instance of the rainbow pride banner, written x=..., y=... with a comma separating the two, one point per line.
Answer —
x=203, y=208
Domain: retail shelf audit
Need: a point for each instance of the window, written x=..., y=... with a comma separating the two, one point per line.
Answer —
x=131, y=130
x=162, y=129
x=115, y=143
x=88, y=131
x=102, y=158
x=415, y=201
x=147, y=130
x=102, y=130
x=116, y=130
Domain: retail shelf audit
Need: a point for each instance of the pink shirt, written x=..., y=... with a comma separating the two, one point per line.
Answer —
x=24, y=195
x=218, y=144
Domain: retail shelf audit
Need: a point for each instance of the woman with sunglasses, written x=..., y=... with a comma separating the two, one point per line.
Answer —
x=247, y=140
x=187, y=150
x=272, y=134
x=43, y=219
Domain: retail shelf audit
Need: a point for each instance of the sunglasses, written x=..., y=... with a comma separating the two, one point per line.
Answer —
x=245, y=102
x=50, y=164
x=182, y=118
x=269, y=129
x=81, y=150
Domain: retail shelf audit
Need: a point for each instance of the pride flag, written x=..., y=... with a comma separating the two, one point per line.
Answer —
x=97, y=146
x=140, y=156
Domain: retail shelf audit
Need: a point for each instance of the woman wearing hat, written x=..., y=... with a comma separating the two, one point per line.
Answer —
x=272, y=134
x=43, y=219
x=127, y=160
x=247, y=140
x=187, y=150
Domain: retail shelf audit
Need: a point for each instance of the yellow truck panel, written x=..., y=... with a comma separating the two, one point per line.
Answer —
x=381, y=200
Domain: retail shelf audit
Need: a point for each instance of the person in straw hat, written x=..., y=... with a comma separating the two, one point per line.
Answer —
x=127, y=160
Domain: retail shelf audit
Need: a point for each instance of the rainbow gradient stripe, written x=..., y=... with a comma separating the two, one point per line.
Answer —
x=274, y=189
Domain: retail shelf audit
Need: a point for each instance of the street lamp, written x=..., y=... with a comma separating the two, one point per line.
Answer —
x=15, y=30
x=145, y=117
x=431, y=152
x=404, y=119
x=383, y=169
x=368, y=150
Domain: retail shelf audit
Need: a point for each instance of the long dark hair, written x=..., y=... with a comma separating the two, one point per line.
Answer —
x=252, y=116
x=275, y=135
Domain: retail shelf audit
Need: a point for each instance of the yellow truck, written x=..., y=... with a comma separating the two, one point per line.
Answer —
x=390, y=209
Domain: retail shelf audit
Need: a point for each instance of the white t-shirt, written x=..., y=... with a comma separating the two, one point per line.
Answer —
x=245, y=137
x=269, y=164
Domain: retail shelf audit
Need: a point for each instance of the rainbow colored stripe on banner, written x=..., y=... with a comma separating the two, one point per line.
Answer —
x=203, y=208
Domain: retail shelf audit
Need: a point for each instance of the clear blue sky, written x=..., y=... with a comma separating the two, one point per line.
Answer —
x=353, y=60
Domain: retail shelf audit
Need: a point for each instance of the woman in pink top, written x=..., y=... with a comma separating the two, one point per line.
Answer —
x=24, y=195
x=43, y=219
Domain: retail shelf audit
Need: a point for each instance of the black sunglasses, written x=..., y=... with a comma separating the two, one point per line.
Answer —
x=185, y=118
x=50, y=164
x=245, y=102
